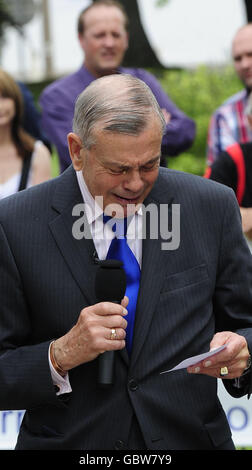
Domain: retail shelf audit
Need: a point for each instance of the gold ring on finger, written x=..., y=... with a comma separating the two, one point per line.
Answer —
x=113, y=334
x=223, y=371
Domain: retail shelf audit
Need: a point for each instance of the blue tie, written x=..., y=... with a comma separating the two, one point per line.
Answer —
x=119, y=249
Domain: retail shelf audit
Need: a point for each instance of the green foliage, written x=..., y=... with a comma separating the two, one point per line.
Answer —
x=55, y=166
x=198, y=93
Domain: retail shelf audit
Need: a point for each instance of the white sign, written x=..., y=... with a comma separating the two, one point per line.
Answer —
x=9, y=426
x=239, y=415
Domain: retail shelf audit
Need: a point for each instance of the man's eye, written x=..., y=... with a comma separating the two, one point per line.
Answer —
x=99, y=36
x=149, y=167
x=119, y=171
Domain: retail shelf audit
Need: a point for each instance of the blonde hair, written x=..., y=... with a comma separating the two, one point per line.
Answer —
x=23, y=141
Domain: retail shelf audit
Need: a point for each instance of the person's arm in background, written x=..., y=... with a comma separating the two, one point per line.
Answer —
x=41, y=164
x=57, y=117
x=32, y=117
x=180, y=129
x=246, y=214
x=219, y=136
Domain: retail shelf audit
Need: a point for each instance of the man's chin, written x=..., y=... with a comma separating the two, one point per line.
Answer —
x=248, y=83
x=108, y=68
x=121, y=209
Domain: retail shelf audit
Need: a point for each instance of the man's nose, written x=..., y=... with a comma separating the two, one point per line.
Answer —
x=109, y=40
x=134, y=182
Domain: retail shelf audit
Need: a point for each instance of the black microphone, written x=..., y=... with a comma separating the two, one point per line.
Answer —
x=110, y=286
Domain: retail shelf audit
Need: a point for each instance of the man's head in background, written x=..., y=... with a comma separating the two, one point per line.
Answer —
x=242, y=54
x=103, y=36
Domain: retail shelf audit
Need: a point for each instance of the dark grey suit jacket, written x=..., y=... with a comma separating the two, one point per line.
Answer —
x=186, y=295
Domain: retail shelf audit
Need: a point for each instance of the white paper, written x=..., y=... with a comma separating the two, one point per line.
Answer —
x=195, y=359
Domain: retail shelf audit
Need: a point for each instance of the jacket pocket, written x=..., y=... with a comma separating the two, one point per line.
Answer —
x=195, y=275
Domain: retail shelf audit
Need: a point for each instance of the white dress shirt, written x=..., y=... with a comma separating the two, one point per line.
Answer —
x=103, y=234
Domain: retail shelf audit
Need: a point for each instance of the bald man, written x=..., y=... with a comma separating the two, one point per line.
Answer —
x=229, y=123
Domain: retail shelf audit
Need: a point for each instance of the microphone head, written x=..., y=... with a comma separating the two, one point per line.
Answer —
x=110, y=281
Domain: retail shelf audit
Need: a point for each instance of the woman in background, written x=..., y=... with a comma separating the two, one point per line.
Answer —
x=24, y=161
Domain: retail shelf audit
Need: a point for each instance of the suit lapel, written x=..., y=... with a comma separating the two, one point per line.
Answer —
x=154, y=267
x=78, y=253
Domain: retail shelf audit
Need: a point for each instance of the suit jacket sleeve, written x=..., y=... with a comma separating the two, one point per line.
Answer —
x=233, y=293
x=25, y=378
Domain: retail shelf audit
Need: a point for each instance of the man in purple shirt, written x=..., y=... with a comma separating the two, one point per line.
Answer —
x=103, y=36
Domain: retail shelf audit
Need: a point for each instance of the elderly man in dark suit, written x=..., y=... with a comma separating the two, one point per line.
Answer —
x=192, y=291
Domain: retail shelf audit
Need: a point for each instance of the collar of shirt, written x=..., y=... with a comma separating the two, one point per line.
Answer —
x=103, y=234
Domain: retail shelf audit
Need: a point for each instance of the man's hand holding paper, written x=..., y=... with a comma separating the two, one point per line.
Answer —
x=228, y=358
x=233, y=359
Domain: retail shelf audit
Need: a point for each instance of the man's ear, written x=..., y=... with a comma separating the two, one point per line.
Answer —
x=75, y=146
x=127, y=42
x=82, y=42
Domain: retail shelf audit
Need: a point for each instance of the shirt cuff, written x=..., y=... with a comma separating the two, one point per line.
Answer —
x=239, y=381
x=62, y=383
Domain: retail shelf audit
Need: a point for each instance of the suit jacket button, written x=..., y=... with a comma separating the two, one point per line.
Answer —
x=133, y=385
x=120, y=445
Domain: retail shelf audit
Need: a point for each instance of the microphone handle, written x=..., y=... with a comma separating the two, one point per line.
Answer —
x=106, y=367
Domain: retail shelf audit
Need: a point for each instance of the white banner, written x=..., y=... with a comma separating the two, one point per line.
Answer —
x=9, y=425
x=239, y=415
x=238, y=411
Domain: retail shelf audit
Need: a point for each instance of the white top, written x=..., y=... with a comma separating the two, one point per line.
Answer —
x=12, y=184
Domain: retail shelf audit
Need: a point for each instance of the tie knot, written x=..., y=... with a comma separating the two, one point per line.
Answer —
x=119, y=226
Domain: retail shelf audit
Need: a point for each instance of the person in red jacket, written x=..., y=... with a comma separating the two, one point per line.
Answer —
x=234, y=169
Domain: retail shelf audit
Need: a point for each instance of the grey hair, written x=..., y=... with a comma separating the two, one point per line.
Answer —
x=117, y=103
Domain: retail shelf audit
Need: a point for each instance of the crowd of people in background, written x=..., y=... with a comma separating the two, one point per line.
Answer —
x=28, y=136
x=103, y=37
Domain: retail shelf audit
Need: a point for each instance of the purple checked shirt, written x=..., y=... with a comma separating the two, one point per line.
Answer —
x=58, y=99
